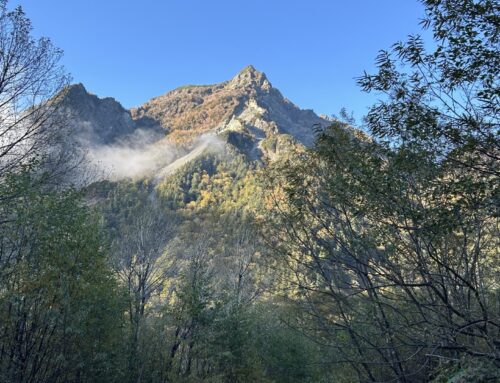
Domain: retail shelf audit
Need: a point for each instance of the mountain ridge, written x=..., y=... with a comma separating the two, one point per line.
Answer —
x=247, y=103
x=246, y=112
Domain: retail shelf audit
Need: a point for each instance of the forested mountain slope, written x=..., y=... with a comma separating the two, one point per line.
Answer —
x=182, y=235
x=221, y=234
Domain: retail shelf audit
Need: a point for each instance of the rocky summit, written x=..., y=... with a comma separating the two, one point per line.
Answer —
x=97, y=120
x=247, y=105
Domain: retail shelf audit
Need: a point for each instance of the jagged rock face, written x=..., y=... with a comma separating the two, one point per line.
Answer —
x=100, y=120
x=246, y=109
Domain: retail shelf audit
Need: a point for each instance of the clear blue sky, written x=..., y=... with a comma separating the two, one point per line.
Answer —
x=310, y=49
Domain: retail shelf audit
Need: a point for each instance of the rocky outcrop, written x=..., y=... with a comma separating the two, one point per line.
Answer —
x=101, y=121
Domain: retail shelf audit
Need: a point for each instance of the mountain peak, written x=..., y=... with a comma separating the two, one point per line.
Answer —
x=249, y=68
x=250, y=77
x=98, y=120
x=247, y=108
x=75, y=90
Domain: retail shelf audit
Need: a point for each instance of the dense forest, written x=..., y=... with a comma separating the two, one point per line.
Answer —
x=371, y=256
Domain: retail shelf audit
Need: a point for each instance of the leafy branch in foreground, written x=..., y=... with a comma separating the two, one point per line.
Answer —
x=392, y=242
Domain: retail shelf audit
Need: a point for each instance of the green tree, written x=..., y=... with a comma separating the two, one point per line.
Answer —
x=60, y=310
x=444, y=103
x=392, y=241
